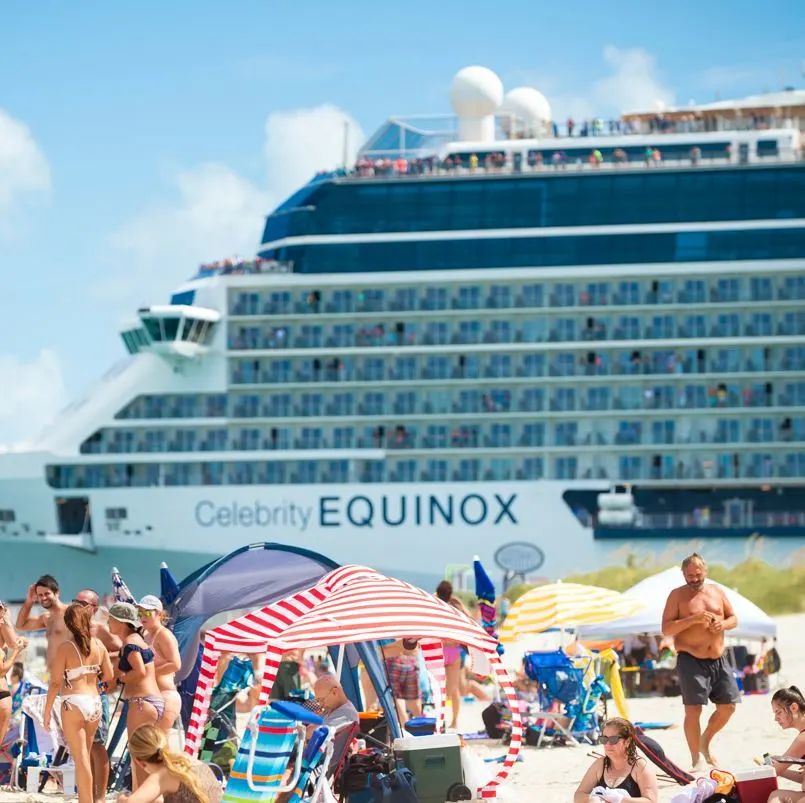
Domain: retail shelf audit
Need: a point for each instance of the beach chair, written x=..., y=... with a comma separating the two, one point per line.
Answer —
x=568, y=707
x=35, y=749
x=273, y=743
x=220, y=742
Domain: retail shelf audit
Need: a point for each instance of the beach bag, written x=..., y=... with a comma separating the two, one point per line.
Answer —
x=497, y=720
x=656, y=755
x=773, y=662
x=397, y=786
x=360, y=770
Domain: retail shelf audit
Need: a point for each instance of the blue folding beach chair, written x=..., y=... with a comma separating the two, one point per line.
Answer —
x=273, y=743
x=568, y=707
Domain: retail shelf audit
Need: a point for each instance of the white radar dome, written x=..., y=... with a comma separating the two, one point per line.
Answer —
x=476, y=92
x=524, y=111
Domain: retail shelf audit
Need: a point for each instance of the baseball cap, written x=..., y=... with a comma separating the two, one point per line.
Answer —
x=150, y=603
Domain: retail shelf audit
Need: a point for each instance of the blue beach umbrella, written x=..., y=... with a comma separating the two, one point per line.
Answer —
x=485, y=591
x=169, y=584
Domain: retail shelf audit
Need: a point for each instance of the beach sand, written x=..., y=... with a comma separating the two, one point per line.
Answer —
x=551, y=775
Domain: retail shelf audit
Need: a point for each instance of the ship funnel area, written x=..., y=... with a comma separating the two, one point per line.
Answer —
x=175, y=330
x=476, y=95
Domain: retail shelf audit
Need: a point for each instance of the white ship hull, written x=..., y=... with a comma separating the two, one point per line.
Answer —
x=412, y=530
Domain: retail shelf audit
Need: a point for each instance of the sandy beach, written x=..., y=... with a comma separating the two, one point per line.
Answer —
x=550, y=775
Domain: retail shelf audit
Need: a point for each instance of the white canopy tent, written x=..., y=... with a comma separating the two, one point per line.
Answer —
x=654, y=591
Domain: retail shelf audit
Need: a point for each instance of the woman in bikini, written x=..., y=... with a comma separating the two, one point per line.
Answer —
x=171, y=777
x=136, y=671
x=620, y=768
x=77, y=665
x=452, y=654
x=788, y=706
x=8, y=640
x=167, y=660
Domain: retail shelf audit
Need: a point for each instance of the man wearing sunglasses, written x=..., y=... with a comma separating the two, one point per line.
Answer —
x=697, y=615
x=98, y=757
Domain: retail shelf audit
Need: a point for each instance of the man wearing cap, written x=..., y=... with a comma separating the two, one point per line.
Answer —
x=99, y=758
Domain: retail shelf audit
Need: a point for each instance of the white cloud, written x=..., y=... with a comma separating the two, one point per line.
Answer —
x=216, y=212
x=633, y=84
x=302, y=142
x=630, y=81
x=24, y=171
x=33, y=393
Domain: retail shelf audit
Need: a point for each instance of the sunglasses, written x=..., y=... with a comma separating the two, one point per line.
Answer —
x=83, y=603
x=611, y=740
x=143, y=614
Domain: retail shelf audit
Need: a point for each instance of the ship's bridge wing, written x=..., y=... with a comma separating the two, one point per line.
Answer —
x=176, y=329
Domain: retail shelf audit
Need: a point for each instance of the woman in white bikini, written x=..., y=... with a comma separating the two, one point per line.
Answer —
x=135, y=670
x=77, y=665
x=167, y=660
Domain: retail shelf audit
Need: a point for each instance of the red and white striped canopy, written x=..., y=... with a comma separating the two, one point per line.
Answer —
x=348, y=605
x=351, y=604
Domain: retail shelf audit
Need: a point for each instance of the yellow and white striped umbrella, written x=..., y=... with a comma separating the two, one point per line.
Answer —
x=566, y=605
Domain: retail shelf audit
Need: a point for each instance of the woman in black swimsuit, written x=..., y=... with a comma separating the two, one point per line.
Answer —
x=788, y=706
x=620, y=769
x=8, y=639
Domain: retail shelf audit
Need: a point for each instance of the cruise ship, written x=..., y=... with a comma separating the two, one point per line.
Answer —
x=558, y=345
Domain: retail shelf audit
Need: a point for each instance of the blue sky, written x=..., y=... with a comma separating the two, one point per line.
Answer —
x=139, y=139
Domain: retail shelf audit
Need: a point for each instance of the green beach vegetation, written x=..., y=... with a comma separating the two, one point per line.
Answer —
x=776, y=590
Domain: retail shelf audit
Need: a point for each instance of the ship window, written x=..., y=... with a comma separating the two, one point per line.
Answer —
x=183, y=298
x=170, y=327
x=116, y=513
x=154, y=328
x=7, y=516
x=130, y=342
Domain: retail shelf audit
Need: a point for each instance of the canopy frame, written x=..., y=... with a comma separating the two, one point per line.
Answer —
x=334, y=611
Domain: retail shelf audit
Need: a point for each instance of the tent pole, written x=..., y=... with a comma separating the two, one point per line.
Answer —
x=340, y=663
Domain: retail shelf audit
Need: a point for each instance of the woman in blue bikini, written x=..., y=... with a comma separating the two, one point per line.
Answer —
x=136, y=671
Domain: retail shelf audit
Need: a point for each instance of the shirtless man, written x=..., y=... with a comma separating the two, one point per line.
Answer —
x=696, y=615
x=45, y=591
x=98, y=756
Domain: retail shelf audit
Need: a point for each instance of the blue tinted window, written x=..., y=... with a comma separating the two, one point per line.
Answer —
x=430, y=204
x=183, y=298
x=548, y=251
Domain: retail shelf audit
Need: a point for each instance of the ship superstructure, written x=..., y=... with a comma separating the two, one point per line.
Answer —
x=493, y=328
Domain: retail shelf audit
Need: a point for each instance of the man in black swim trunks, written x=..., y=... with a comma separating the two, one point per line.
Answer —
x=697, y=614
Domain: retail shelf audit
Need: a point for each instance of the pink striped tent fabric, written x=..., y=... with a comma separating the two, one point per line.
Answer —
x=348, y=605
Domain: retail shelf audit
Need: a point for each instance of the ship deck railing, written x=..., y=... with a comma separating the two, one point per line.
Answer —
x=704, y=520
x=428, y=167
